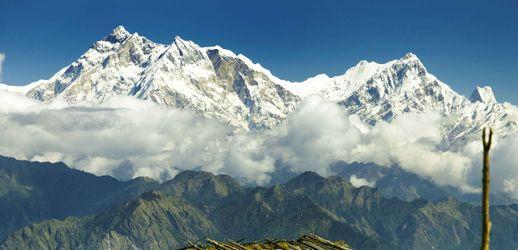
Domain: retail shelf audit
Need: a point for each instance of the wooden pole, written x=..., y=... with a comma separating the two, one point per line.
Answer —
x=486, y=223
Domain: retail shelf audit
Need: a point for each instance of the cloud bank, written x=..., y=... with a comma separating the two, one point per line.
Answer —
x=125, y=138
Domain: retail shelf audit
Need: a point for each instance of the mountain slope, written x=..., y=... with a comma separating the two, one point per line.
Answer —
x=309, y=203
x=151, y=222
x=205, y=190
x=31, y=192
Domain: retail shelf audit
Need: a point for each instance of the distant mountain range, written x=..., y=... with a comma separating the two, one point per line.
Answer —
x=397, y=182
x=217, y=83
x=146, y=215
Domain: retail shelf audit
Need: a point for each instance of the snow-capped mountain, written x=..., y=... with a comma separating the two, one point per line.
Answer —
x=216, y=83
x=212, y=81
x=383, y=91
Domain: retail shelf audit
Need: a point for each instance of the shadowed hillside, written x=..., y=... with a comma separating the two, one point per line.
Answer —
x=32, y=192
x=196, y=205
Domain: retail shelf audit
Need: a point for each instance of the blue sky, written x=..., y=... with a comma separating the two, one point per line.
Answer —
x=464, y=43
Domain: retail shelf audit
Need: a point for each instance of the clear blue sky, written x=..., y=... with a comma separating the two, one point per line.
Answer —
x=464, y=43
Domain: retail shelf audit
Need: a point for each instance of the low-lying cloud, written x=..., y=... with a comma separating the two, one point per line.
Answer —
x=125, y=138
x=359, y=182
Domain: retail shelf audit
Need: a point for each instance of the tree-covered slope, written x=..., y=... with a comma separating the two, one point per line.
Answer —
x=32, y=191
x=195, y=205
x=153, y=221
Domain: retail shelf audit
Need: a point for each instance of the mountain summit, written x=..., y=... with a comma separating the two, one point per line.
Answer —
x=217, y=83
x=483, y=94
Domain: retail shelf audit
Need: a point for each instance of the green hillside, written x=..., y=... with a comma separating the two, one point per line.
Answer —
x=32, y=192
x=196, y=205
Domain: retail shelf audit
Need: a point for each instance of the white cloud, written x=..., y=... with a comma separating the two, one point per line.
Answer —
x=358, y=181
x=100, y=139
x=125, y=137
x=317, y=134
x=411, y=141
x=504, y=168
x=246, y=158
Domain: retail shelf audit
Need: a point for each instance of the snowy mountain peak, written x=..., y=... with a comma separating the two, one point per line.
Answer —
x=408, y=66
x=117, y=35
x=410, y=56
x=319, y=77
x=411, y=59
x=483, y=94
x=362, y=63
x=179, y=40
x=221, y=51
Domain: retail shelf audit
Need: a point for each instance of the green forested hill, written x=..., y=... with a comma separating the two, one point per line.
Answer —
x=195, y=205
x=31, y=192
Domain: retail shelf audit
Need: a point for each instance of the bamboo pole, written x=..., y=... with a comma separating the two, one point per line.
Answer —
x=486, y=222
